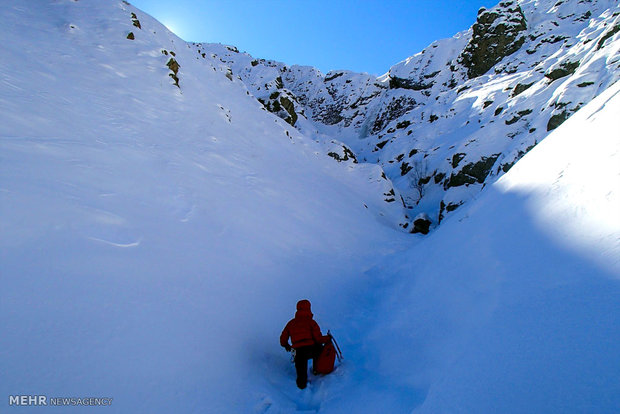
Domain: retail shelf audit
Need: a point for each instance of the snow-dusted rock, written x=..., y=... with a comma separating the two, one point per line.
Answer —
x=486, y=96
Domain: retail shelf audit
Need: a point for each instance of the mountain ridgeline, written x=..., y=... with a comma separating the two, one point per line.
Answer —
x=445, y=122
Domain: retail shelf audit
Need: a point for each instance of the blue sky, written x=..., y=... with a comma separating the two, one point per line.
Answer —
x=364, y=35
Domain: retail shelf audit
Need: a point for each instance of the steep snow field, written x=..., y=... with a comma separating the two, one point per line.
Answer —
x=514, y=305
x=154, y=240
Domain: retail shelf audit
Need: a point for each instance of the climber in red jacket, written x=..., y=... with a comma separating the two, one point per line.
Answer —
x=306, y=339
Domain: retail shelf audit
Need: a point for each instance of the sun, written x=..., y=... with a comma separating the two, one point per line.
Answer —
x=173, y=27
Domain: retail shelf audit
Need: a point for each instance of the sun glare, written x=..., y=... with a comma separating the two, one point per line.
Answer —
x=172, y=26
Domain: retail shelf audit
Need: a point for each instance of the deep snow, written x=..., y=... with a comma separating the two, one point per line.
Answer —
x=154, y=241
x=513, y=306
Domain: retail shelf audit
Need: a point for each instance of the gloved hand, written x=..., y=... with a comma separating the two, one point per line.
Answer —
x=287, y=347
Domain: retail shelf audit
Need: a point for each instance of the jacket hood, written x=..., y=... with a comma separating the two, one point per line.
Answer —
x=303, y=309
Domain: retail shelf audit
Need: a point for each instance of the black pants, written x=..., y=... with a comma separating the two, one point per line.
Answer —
x=302, y=355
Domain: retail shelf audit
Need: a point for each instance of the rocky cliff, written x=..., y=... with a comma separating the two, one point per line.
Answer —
x=450, y=119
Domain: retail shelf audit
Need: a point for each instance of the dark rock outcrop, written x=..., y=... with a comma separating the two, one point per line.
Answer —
x=421, y=224
x=557, y=120
x=174, y=66
x=283, y=104
x=475, y=172
x=497, y=33
x=565, y=69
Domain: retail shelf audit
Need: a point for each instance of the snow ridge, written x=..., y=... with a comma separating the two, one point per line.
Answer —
x=443, y=126
x=164, y=205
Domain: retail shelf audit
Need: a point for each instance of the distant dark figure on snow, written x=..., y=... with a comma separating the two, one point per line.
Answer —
x=306, y=339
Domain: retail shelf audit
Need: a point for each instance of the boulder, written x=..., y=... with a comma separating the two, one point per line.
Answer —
x=421, y=223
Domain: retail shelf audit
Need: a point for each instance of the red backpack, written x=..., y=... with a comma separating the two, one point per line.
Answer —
x=327, y=357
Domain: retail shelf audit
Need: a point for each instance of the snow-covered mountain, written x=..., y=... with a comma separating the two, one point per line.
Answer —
x=456, y=116
x=157, y=226
x=160, y=217
x=513, y=306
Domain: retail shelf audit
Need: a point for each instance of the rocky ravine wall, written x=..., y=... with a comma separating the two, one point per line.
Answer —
x=454, y=117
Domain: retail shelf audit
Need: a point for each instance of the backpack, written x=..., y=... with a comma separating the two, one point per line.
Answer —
x=327, y=357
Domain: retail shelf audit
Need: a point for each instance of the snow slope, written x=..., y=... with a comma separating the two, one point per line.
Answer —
x=154, y=239
x=513, y=306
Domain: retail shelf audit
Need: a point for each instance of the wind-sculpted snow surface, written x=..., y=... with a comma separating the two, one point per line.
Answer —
x=158, y=224
x=156, y=233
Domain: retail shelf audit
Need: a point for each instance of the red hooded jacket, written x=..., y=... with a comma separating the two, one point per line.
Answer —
x=303, y=330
